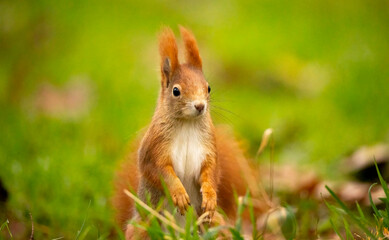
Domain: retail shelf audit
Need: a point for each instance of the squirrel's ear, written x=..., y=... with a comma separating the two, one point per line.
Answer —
x=191, y=50
x=169, y=55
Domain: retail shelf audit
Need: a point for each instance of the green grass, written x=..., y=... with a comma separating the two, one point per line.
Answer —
x=155, y=223
x=376, y=229
x=6, y=227
x=314, y=71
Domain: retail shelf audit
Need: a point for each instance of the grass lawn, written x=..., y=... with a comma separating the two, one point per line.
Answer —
x=314, y=71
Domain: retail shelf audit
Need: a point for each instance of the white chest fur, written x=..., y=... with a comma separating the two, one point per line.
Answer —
x=188, y=153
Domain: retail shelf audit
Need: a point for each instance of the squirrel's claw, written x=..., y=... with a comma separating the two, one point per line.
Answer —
x=181, y=200
x=209, y=203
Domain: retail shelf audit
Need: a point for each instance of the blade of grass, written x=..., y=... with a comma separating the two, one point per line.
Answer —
x=5, y=225
x=385, y=188
x=84, y=233
x=83, y=223
x=372, y=203
x=349, y=235
x=188, y=224
x=236, y=234
x=360, y=211
x=334, y=209
x=153, y=212
x=241, y=206
x=119, y=232
x=172, y=233
x=382, y=181
x=350, y=214
x=361, y=214
x=195, y=231
x=252, y=218
x=336, y=230
x=154, y=229
x=213, y=232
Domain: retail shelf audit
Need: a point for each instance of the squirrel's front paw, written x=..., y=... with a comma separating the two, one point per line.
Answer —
x=180, y=199
x=209, y=200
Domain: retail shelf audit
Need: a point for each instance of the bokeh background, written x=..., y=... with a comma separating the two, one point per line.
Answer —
x=79, y=79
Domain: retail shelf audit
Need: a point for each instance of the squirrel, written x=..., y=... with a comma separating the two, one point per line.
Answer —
x=198, y=162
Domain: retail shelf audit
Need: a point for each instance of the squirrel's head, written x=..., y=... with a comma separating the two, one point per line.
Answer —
x=184, y=89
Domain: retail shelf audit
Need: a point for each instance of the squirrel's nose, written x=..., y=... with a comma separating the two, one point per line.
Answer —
x=199, y=107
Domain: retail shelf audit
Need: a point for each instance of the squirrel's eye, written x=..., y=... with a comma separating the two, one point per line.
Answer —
x=209, y=89
x=176, y=92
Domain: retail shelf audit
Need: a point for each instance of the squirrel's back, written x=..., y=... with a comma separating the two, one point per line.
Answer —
x=126, y=178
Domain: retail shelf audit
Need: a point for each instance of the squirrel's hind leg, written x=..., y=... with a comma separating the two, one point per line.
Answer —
x=133, y=232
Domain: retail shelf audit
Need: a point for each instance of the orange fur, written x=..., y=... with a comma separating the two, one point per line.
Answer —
x=168, y=49
x=229, y=178
x=219, y=173
x=127, y=178
x=192, y=52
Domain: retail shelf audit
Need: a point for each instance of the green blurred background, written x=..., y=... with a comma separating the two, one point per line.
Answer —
x=78, y=79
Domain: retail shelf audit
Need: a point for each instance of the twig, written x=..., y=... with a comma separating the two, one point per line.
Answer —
x=153, y=212
x=257, y=189
x=271, y=169
x=202, y=218
x=32, y=228
x=169, y=216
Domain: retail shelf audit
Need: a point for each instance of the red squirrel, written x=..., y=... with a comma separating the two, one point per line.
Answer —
x=198, y=162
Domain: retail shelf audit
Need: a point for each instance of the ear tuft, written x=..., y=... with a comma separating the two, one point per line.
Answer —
x=169, y=54
x=192, y=51
x=166, y=67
